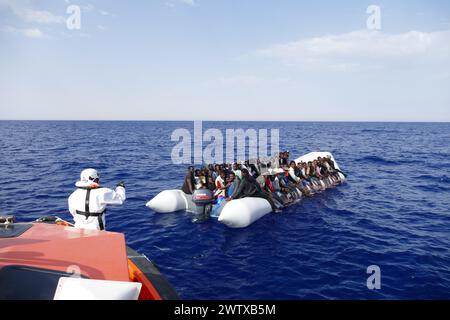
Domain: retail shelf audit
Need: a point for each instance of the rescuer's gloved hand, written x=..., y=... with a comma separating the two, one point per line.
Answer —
x=121, y=184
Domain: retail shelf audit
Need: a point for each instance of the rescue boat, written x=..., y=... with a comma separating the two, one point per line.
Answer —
x=49, y=259
x=238, y=213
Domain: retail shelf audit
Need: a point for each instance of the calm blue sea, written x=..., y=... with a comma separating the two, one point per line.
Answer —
x=393, y=212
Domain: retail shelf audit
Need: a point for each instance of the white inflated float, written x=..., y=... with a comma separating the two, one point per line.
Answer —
x=169, y=201
x=241, y=213
x=238, y=213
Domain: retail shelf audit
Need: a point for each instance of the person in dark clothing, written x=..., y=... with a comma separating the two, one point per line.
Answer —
x=247, y=188
x=189, y=181
x=284, y=158
x=250, y=188
x=332, y=165
x=269, y=188
x=253, y=170
x=233, y=182
x=210, y=183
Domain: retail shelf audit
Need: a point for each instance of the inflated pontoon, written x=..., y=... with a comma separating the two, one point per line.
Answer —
x=238, y=213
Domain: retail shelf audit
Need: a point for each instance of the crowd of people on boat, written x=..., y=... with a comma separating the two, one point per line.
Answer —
x=280, y=183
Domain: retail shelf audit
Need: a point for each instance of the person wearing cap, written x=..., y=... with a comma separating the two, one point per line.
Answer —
x=88, y=202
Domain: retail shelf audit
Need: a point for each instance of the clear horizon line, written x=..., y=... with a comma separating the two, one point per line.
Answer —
x=213, y=120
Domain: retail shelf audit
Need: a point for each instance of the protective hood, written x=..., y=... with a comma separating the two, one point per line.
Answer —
x=87, y=179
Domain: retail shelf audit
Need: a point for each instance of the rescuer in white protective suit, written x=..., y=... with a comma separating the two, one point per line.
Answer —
x=88, y=203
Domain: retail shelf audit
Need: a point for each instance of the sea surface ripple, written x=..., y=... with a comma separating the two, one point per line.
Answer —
x=392, y=212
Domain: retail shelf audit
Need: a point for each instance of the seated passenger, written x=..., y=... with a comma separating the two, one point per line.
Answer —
x=210, y=183
x=295, y=174
x=252, y=169
x=261, y=179
x=203, y=177
x=215, y=173
x=237, y=170
x=233, y=182
x=281, y=192
x=285, y=182
x=311, y=176
x=189, y=181
x=332, y=164
x=301, y=174
x=268, y=187
x=292, y=173
x=250, y=188
x=284, y=158
x=318, y=174
x=301, y=170
x=198, y=183
x=326, y=173
x=220, y=185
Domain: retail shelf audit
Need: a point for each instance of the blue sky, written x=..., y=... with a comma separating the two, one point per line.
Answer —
x=225, y=60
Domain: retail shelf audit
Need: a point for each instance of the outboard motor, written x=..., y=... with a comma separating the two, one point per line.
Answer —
x=203, y=200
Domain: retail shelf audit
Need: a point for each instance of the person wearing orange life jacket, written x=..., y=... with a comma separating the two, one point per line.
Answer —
x=88, y=203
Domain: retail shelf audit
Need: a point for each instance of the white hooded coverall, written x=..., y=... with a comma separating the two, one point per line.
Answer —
x=98, y=199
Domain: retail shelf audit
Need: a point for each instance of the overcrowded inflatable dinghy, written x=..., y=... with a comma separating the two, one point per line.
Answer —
x=238, y=213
